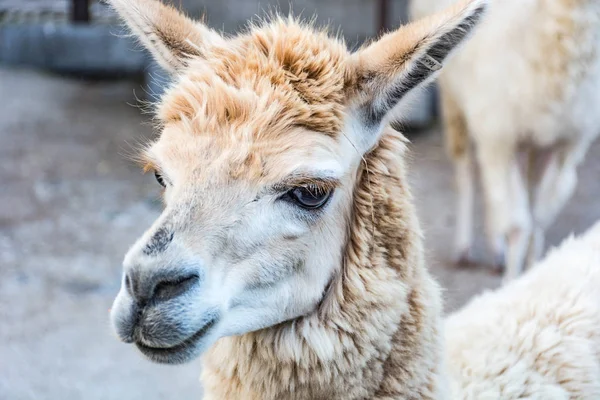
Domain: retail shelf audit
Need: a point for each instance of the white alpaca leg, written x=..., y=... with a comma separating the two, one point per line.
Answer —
x=519, y=233
x=536, y=240
x=507, y=206
x=459, y=150
x=555, y=189
x=543, y=192
x=464, y=207
x=554, y=193
x=495, y=165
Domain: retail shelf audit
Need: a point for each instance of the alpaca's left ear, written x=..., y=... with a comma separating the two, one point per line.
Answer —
x=385, y=71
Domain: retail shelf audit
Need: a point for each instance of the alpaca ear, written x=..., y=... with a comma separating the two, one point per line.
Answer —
x=388, y=69
x=171, y=37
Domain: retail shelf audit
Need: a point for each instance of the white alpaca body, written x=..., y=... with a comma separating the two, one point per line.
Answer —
x=509, y=88
x=529, y=79
x=536, y=338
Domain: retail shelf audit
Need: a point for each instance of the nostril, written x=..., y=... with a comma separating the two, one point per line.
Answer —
x=128, y=284
x=169, y=289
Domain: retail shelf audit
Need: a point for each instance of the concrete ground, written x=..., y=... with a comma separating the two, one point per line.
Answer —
x=71, y=203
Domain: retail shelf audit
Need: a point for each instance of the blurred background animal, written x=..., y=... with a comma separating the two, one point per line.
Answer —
x=522, y=102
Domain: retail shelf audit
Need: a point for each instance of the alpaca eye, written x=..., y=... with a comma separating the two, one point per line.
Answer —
x=309, y=197
x=160, y=179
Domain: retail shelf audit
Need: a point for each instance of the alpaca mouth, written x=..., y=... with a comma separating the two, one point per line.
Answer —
x=179, y=353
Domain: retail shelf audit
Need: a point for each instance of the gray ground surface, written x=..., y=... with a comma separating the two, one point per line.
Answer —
x=71, y=203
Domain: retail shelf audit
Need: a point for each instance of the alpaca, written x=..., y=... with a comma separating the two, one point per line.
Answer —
x=535, y=96
x=538, y=337
x=289, y=255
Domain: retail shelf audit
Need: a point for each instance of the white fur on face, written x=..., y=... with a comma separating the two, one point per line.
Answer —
x=260, y=260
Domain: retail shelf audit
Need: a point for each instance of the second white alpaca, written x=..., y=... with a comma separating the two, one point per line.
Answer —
x=527, y=82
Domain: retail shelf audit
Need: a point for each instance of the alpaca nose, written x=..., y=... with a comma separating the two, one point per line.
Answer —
x=159, y=287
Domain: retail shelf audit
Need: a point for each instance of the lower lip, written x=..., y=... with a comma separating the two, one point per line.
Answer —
x=177, y=354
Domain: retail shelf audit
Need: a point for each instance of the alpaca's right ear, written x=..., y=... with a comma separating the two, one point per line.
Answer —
x=170, y=36
x=383, y=73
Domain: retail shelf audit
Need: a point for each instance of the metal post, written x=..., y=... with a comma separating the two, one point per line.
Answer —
x=80, y=11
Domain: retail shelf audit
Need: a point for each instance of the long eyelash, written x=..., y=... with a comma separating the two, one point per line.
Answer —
x=318, y=185
x=318, y=190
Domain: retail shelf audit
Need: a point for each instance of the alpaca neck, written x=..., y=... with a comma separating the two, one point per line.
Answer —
x=375, y=335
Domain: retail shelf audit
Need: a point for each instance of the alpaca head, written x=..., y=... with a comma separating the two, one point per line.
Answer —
x=261, y=138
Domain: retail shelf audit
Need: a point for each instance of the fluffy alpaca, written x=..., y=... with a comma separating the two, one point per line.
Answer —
x=538, y=337
x=288, y=254
x=528, y=82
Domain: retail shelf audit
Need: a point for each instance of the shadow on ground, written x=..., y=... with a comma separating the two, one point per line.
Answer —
x=71, y=203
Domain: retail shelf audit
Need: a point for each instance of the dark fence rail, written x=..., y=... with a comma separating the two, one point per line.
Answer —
x=80, y=10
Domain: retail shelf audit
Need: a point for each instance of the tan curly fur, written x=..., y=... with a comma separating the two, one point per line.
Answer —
x=284, y=72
